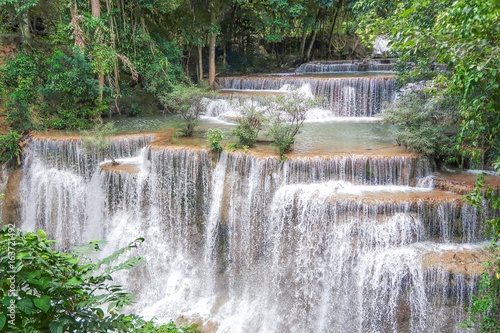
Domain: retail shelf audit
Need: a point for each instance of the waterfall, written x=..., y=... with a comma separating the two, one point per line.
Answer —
x=346, y=66
x=346, y=97
x=250, y=244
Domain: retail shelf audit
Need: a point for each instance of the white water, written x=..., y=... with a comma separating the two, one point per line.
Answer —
x=223, y=110
x=345, y=97
x=253, y=245
x=346, y=66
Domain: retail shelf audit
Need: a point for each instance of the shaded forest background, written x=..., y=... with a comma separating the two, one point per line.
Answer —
x=138, y=50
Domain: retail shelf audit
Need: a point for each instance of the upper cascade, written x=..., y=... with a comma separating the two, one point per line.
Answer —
x=367, y=65
x=344, y=96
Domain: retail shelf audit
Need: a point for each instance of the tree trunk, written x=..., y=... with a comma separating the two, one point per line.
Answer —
x=200, y=63
x=24, y=26
x=303, y=43
x=308, y=57
x=330, y=38
x=315, y=32
x=187, y=61
x=211, y=52
x=113, y=43
x=96, y=13
x=224, y=55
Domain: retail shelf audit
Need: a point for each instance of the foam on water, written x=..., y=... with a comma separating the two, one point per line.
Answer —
x=351, y=96
x=255, y=245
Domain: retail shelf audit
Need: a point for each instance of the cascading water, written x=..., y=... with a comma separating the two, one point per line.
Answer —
x=346, y=66
x=346, y=97
x=254, y=245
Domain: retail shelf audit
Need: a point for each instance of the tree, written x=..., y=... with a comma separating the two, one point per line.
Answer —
x=287, y=114
x=215, y=137
x=10, y=146
x=465, y=37
x=96, y=14
x=426, y=124
x=250, y=124
x=186, y=101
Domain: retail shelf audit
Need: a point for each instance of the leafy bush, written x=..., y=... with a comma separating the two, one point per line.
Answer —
x=159, y=70
x=19, y=116
x=249, y=125
x=151, y=327
x=71, y=92
x=215, y=137
x=44, y=290
x=60, y=88
x=287, y=114
x=9, y=146
x=49, y=291
x=485, y=308
x=135, y=110
x=186, y=101
x=425, y=124
x=24, y=75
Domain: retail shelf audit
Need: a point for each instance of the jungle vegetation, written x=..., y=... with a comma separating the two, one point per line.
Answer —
x=64, y=64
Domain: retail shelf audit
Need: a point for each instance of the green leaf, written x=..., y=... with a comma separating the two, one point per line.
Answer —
x=3, y=320
x=55, y=327
x=25, y=305
x=43, y=303
x=407, y=12
x=99, y=313
x=41, y=233
x=75, y=280
x=45, y=282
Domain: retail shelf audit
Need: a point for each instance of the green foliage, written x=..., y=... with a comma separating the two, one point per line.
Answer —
x=61, y=88
x=186, y=101
x=215, y=137
x=249, y=125
x=151, y=327
x=160, y=71
x=472, y=25
x=44, y=290
x=464, y=36
x=19, y=116
x=425, y=124
x=135, y=110
x=98, y=139
x=486, y=304
x=70, y=93
x=287, y=115
x=10, y=146
x=246, y=133
x=24, y=76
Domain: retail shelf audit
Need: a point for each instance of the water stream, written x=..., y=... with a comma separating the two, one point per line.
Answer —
x=345, y=242
x=254, y=245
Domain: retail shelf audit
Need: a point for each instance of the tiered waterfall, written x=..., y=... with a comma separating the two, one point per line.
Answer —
x=242, y=243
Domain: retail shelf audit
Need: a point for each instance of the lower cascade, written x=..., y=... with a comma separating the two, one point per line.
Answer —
x=249, y=244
